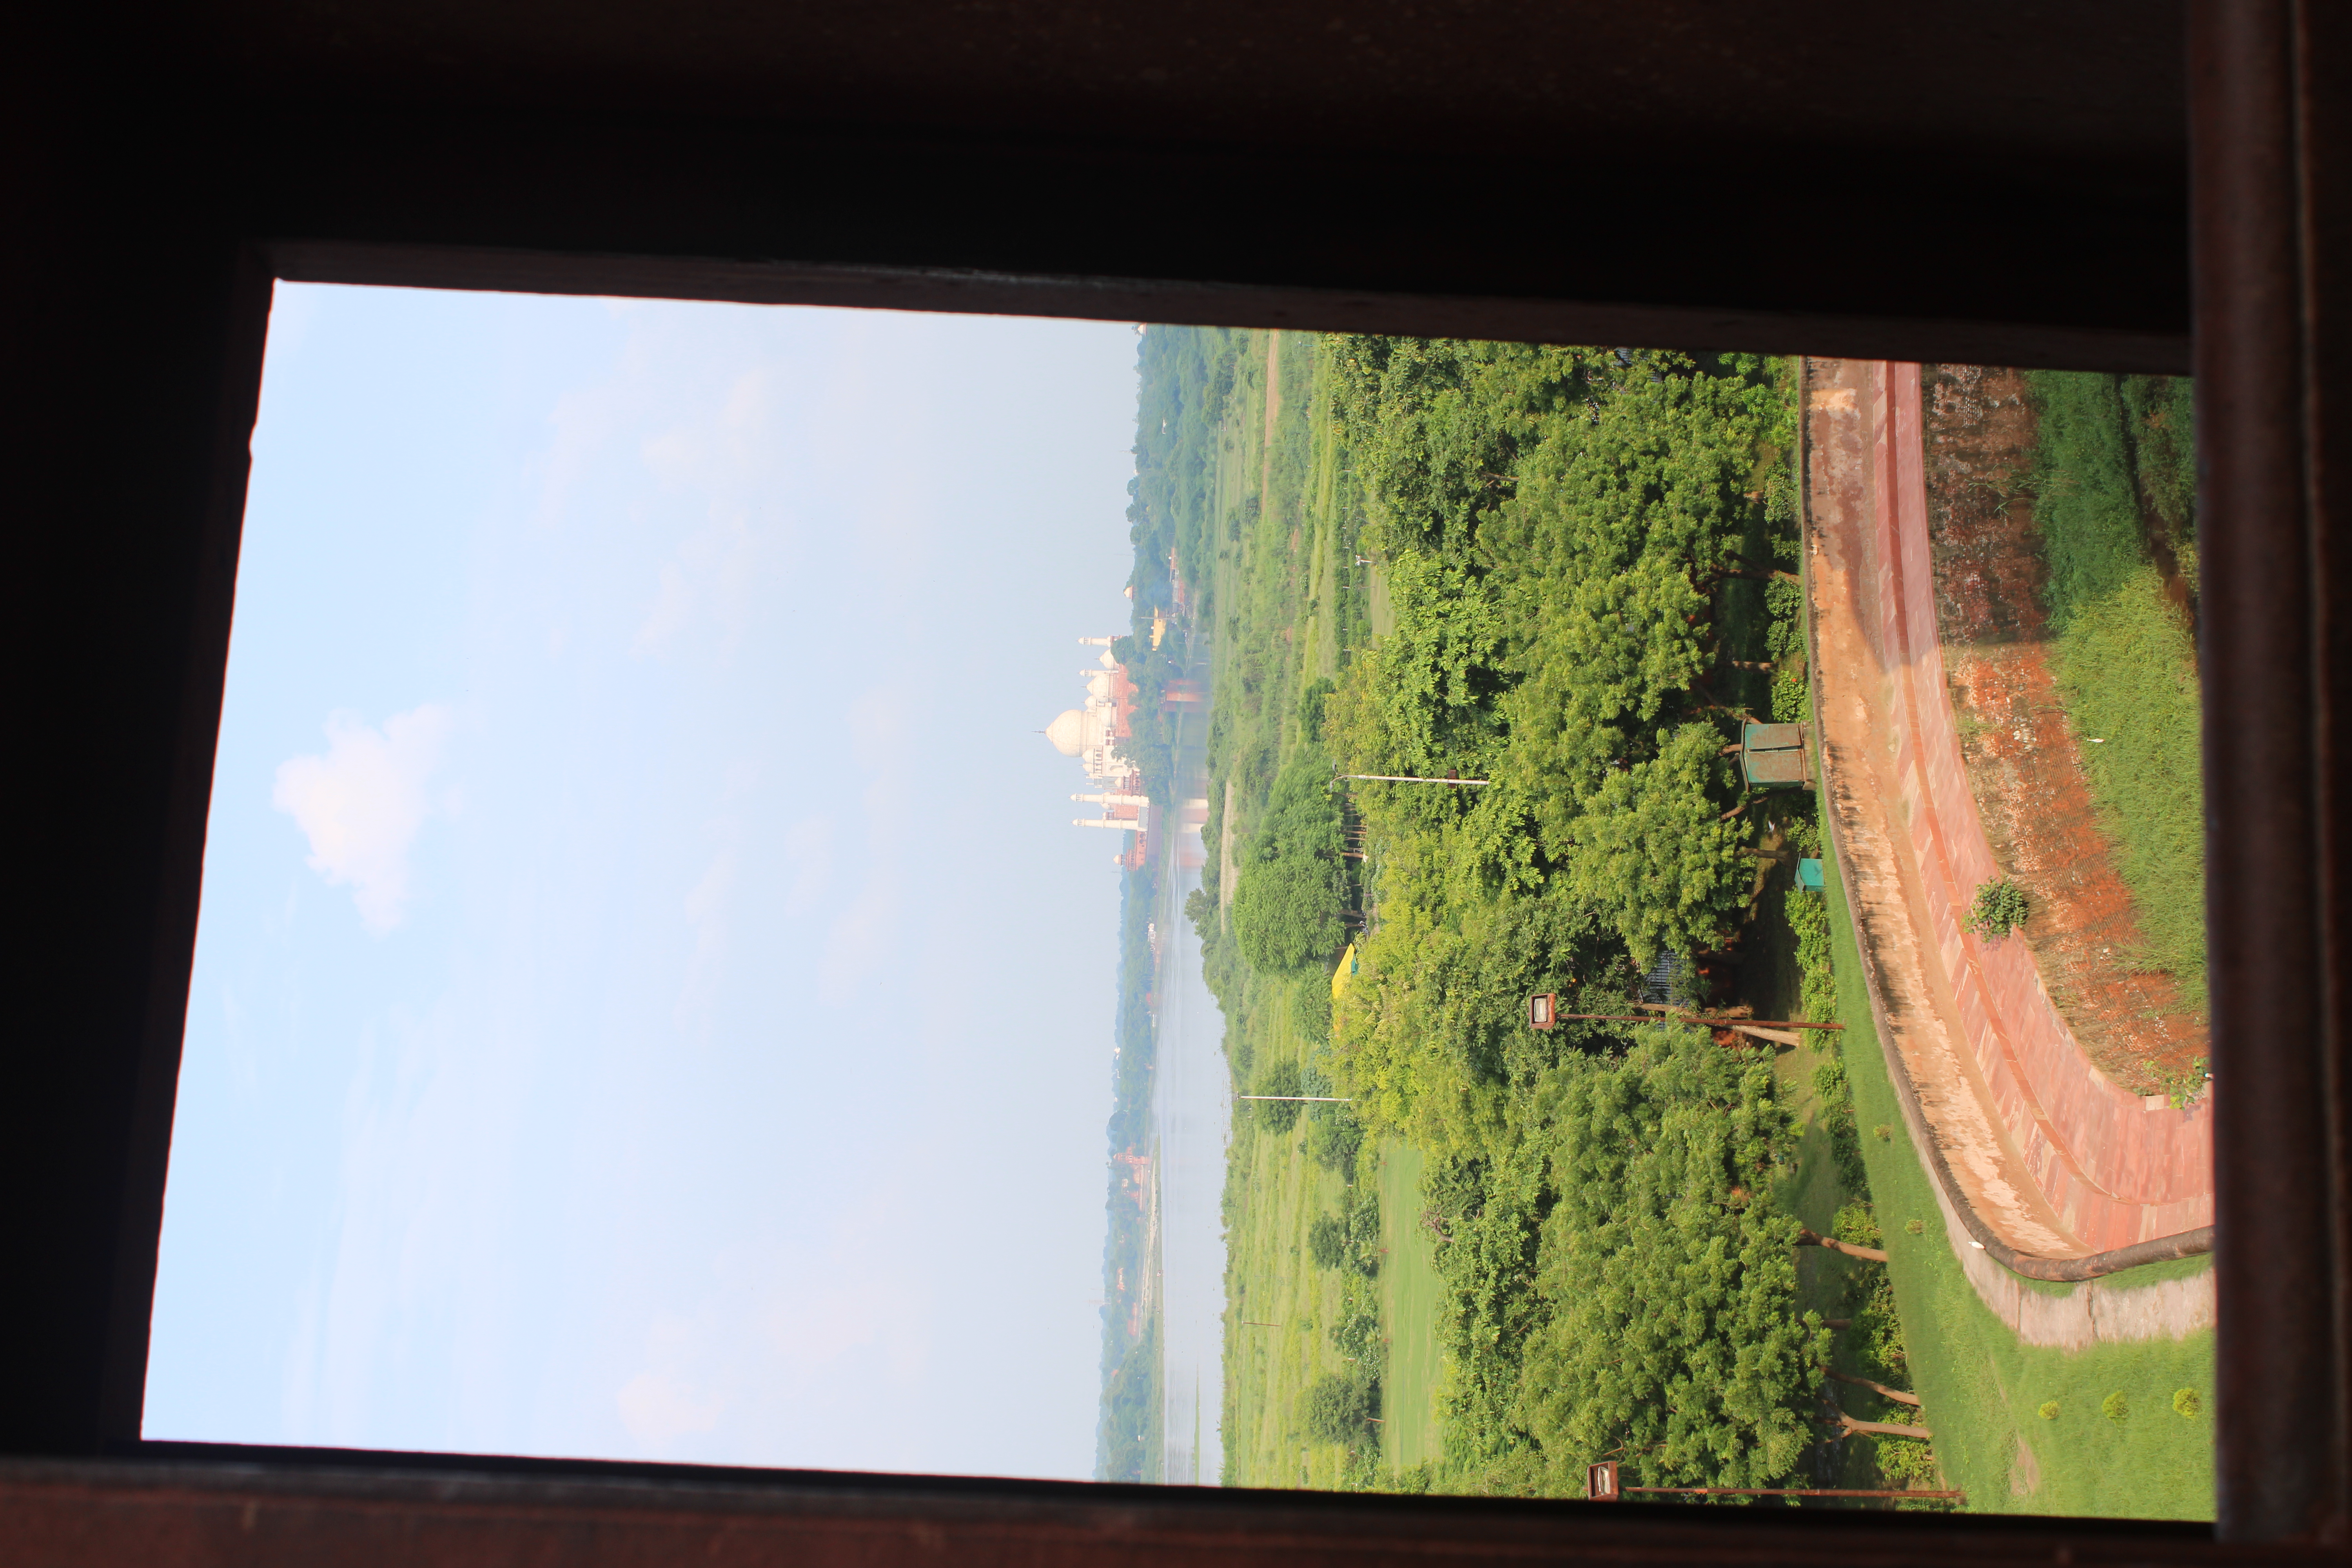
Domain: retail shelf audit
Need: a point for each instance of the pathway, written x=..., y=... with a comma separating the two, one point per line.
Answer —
x=2052, y=1160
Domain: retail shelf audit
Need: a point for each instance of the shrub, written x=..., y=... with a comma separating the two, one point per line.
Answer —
x=1856, y=1225
x=1916, y=1227
x=1785, y=602
x=1292, y=885
x=1279, y=1077
x=1877, y=1325
x=1417, y=1481
x=2186, y=1404
x=2116, y=1407
x=2049, y=1411
x=1310, y=1011
x=1333, y=1138
x=1883, y=1132
x=1837, y=1119
x=1793, y=697
x=1809, y=922
x=1326, y=1241
x=1364, y=1232
x=1201, y=908
x=2000, y=908
x=1357, y=1334
x=1906, y=1462
x=1337, y=1408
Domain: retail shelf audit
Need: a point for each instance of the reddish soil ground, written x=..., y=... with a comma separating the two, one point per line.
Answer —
x=2022, y=757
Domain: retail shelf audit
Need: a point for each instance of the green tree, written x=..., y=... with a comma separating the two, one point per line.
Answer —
x=1326, y=1241
x=1337, y=1408
x=1333, y=1136
x=1281, y=1078
x=1201, y=908
x=1673, y=1343
x=1652, y=854
x=1293, y=885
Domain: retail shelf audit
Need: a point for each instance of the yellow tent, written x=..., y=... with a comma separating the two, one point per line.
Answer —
x=1347, y=967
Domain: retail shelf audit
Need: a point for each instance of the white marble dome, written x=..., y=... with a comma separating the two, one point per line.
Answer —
x=1067, y=732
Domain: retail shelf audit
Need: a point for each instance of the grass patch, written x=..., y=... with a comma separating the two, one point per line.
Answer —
x=2109, y=455
x=1410, y=1294
x=1984, y=1394
x=1280, y=1308
x=2127, y=674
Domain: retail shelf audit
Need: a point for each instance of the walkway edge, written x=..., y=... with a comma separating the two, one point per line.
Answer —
x=2091, y=1265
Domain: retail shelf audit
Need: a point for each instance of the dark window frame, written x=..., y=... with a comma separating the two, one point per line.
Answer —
x=2270, y=158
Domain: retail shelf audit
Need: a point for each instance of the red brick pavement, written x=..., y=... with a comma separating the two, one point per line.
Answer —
x=2113, y=1170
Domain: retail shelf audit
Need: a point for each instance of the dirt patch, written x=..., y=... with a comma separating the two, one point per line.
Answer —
x=2024, y=1472
x=2022, y=757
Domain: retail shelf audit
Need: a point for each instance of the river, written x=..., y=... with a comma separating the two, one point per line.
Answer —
x=1192, y=1116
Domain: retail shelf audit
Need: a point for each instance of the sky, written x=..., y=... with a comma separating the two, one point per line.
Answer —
x=650, y=1000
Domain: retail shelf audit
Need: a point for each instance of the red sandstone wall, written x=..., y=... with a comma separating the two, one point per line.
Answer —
x=2116, y=1171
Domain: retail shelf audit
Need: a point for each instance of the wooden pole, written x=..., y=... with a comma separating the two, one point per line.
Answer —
x=1793, y=1492
x=1878, y=1388
x=1806, y=1236
x=1712, y=1023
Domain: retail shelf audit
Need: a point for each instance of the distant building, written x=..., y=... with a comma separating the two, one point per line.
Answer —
x=1093, y=734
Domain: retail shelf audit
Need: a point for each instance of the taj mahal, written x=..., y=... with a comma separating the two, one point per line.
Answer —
x=1093, y=734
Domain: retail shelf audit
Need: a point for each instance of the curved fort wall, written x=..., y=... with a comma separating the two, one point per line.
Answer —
x=2058, y=1159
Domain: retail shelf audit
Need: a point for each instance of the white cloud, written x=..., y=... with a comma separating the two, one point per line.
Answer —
x=673, y=606
x=808, y=845
x=660, y=1409
x=362, y=804
x=859, y=939
x=706, y=911
x=663, y=1403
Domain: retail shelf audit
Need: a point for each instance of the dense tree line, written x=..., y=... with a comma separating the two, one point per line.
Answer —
x=1556, y=524
x=1560, y=531
x=1130, y=1379
x=1558, y=528
x=1183, y=376
x=1580, y=550
x=1292, y=887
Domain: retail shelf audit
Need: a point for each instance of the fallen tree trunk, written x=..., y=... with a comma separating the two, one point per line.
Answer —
x=1880, y=1389
x=1884, y=1428
x=1807, y=1238
x=1777, y=1036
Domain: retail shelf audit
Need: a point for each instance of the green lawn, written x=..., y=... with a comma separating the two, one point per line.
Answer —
x=1286, y=602
x=1409, y=1293
x=2121, y=651
x=1279, y=1306
x=1981, y=1389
